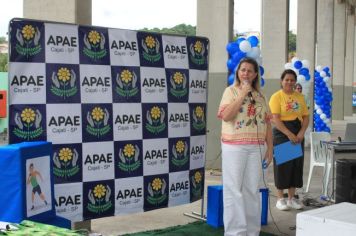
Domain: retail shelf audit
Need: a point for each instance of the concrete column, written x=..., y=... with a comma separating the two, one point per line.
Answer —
x=69, y=11
x=274, y=43
x=349, y=60
x=338, y=65
x=215, y=21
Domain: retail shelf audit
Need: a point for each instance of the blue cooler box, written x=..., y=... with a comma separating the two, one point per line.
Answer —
x=215, y=207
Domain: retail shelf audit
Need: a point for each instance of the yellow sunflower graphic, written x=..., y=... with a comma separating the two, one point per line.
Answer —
x=94, y=37
x=99, y=191
x=180, y=146
x=155, y=112
x=197, y=177
x=28, y=115
x=199, y=111
x=63, y=74
x=198, y=46
x=97, y=114
x=126, y=76
x=157, y=184
x=65, y=154
x=150, y=42
x=28, y=32
x=178, y=78
x=129, y=150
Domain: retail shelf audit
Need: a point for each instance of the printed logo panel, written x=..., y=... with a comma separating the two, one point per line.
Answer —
x=155, y=191
x=178, y=85
x=128, y=158
x=27, y=83
x=150, y=49
x=198, y=53
x=69, y=201
x=27, y=41
x=62, y=45
x=153, y=85
x=178, y=120
x=178, y=154
x=98, y=163
x=67, y=163
x=27, y=123
x=175, y=52
x=198, y=118
x=154, y=120
x=96, y=84
x=123, y=47
x=127, y=121
x=129, y=195
x=98, y=199
x=198, y=86
x=126, y=84
x=179, y=189
x=64, y=123
x=196, y=178
x=63, y=84
x=93, y=45
x=197, y=151
x=155, y=156
x=97, y=122
x=38, y=185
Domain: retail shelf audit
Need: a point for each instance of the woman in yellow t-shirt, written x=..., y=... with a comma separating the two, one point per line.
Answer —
x=246, y=140
x=291, y=118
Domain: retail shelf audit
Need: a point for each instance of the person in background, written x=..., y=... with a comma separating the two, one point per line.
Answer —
x=246, y=142
x=290, y=118
x=298, y=88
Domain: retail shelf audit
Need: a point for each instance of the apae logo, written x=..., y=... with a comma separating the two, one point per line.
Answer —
x=28, y=41
x=197, y=52
x=98, y=122
x=99, y=199
x=129, y=160
x=197, y=184
x=180, y=153
x=127, y=84
x=156, y=190
x=65, y=163
x=94, y=45
x=150, y=46
x=198, y=118
x=155, y=119
x=178, y=83
x=28, y=124
x=63, y=83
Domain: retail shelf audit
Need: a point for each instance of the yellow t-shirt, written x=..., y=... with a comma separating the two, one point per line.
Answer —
x=288, y=106
x=250, y=124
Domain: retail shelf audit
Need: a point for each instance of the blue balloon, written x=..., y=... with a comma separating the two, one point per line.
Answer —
x=262, y=82
x=232, y=48
x=298, y=64
x=326, y=69
x=262, y=71
x=307, y=77
x=231, y=65
x=231, y=79
x=238, y=56
x=304, y=71
x=239, y=40
x=253, y=41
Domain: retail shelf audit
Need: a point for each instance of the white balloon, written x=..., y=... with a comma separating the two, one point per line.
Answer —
x=245, y=46
x=323, y=116
x=294, y=59
x=259, y=60
x=319, y=68
x=316, y=106
x=301, y=79
x=327, y=121
x=306, y=63
x=323, y=74
x=288, y=65
x=319, y=111
x=254, y=53
x=326, y=79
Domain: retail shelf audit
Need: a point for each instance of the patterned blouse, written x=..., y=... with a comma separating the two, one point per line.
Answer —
x=288, y=106
x=250, y=124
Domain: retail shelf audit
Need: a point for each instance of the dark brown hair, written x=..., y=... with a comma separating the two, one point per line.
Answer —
x=289, y=71
x=256, y=81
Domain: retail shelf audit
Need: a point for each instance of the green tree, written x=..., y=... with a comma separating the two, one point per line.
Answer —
x=3, y=40
x=292, y=42
x=3, y=62
x=181, y=29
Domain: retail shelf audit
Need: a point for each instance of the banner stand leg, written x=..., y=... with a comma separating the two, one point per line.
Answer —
x=196, y=215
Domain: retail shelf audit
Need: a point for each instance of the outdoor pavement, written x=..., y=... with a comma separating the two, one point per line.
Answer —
x=162, y=218
x=284, y=220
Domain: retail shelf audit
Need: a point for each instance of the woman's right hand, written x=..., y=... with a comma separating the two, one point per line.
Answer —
x=293, y=138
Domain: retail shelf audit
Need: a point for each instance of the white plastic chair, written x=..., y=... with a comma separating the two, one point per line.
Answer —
x=318, y=157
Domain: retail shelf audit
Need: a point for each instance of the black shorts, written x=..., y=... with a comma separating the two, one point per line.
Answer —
x=37, y=189
x=288, y=174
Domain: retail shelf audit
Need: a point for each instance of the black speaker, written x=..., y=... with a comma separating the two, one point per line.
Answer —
x=345, y=181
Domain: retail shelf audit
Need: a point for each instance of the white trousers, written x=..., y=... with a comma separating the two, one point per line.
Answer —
x=241, y=174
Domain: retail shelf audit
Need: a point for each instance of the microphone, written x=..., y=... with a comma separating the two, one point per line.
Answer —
x=252, y=100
